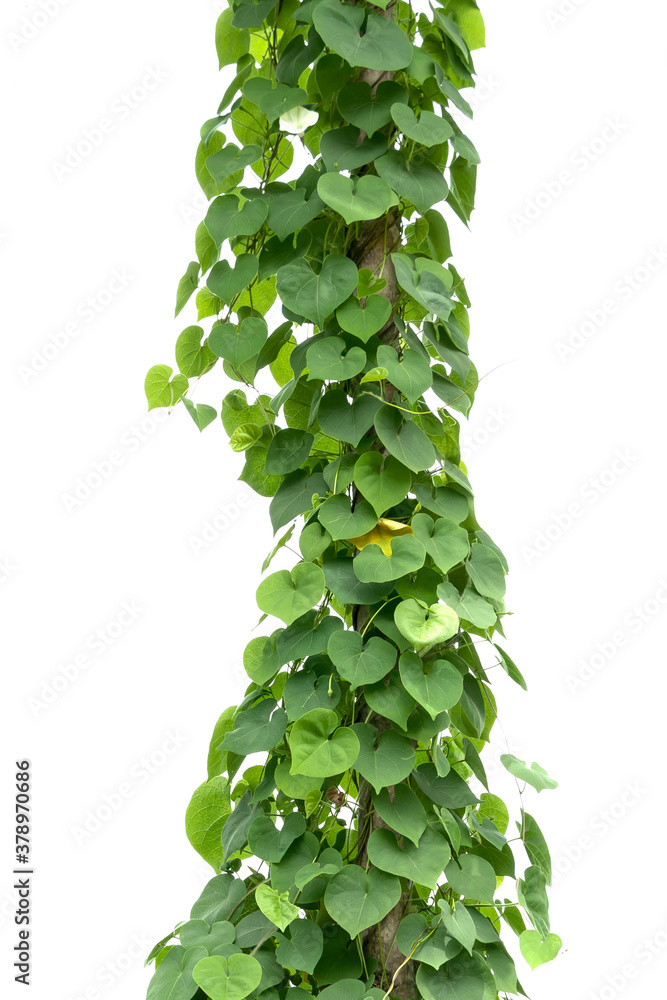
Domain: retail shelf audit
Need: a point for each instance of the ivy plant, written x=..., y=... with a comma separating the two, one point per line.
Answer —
x=360, y=853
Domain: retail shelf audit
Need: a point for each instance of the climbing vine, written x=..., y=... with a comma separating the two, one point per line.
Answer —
x=360, y=852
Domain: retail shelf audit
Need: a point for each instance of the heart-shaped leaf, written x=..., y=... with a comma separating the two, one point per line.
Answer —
x=385, y=759
x=230, y=159
x=364, y=321
x=288, y=449
x=533, y=774
x=411, y=375
x=404, y=813
x=429, y=129
x=537, y=951
x=273, y=101
x=358, y=663
x=288, y=595
x=472, y=876
x=436, y=946
x=316, y=296
x=276, y=906
x=271, y=844
x=193, y=357
x=232, y=978
x=437, y=686
x=357, y=899
x=382, y=480
x=200, y=934
x=446, y=543
x=404, y=440
x=227, y=282
x=256, y=729
x=340, y=521
x=160, y=391
x=347, y=421
x=418, y=180
x=289, y=211
x=424, y=863
x=341, y=149
x=370, y=109
x=328, y=360
x=318, y=753
x=486, y=572
x=356, y=198
x=425, y=626
x=174, y=975
x=225, y=219
x=464, y=978
x=407, y=556
x=389, y=698
x=205, y=817
x=383, y=45
x=187, y=285
x=237, y=344
x=459, y=923
x=202, y=414
x=468, y=606
x=303, y=949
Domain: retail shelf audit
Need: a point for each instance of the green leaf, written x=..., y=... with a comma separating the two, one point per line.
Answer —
x=160, y=391
x=533, y=897
x=205, y=817
x=459, y=923
x=287, y=595
x=450, y=790
x=288, y=449
x=271, y=844
x=364, y=321
x=193, y=357
x=236, y=827
x=418, y=180
x=305, y=691
x=536, y=845
x=276, y=906
x=316, y=296
x=425, y=626
x=346, y=421
x=411, y=375
x=202, y=414
x=510, y=667
x=173, y=978
x=429, y=129
x=437, y=686
x=356, y=198
x=289, y=211
x=407, y=556
x=226, y=219
x=537, y=950
x=318, y=753
x=446, y=543
x=256, y=729
x=357, y=899
x=237, y=344
x=423, y=863
x=326, y=360
x=245, y=436
x=370, y=109
x=346, y=587
x=295, y=786
x=231, y=43
x=472, y=877
x=385, y=759
x=273, y=101
x=200, y=934
x=343, y=148
x=466, y=978
x=187, y=285
x=303, y=949
x=403, y=439
x=533, y=775
x=358, y=663
x=486, y=572
x=405, y=814
x=230, y=160
x=389, y=698
x=341, y=521
x=228, y=282
x=383, y=45
x=470, y=606
x=424, y=286
x=294, y=496
x=313, y=541
x=220, y=897
x=232, y=978
x=382, y=480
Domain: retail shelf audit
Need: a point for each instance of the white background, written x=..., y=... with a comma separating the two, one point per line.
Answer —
x=566, y=455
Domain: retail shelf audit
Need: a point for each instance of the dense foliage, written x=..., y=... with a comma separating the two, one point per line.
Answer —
x=360, y=852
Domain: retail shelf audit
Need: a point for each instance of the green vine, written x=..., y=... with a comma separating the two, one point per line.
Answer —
x=360, y=853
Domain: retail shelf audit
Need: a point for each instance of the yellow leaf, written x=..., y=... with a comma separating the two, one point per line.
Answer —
x=382, y=534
